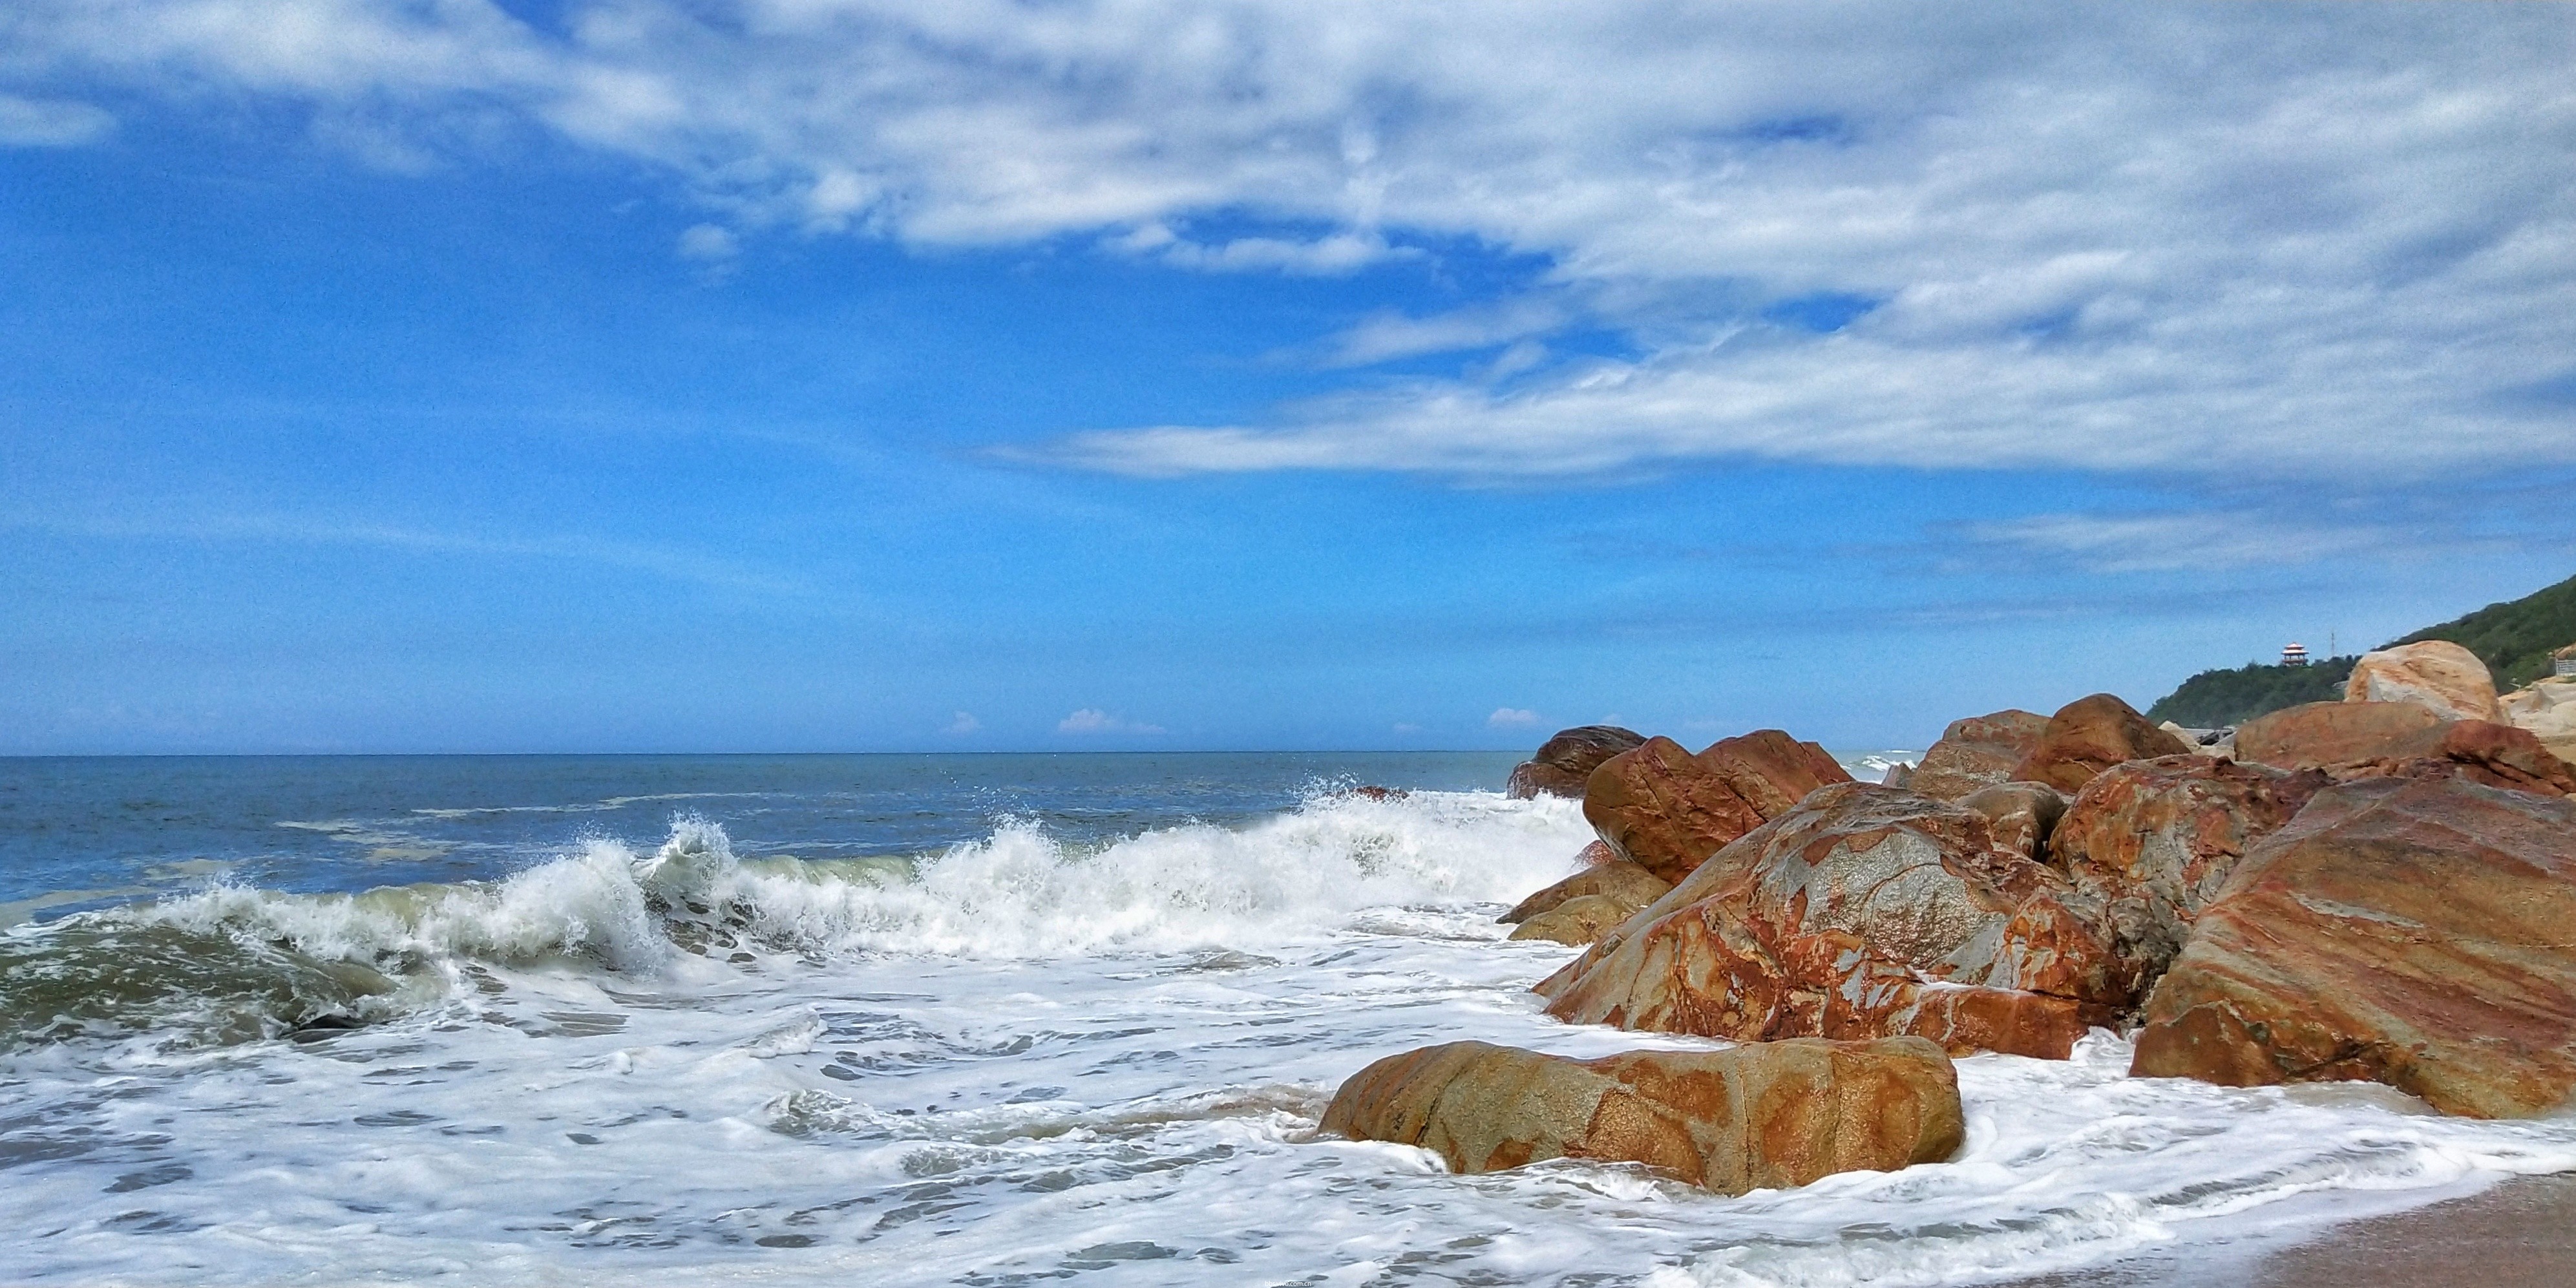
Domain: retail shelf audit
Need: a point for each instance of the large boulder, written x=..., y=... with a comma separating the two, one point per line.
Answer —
x=1979, y=751
x=1564, y=763
x=1766, y=1116
x=1667, y=810
x=1865, y=911
x=2436, y=673
x=2546, y=710
x=2089, y=735
x=2021, y=815
x=2352, y=740
x=2148, y=844
x=2414, y=932
x=1614, y=878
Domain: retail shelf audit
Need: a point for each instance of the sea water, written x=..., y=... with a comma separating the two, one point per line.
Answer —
x=975, y=1020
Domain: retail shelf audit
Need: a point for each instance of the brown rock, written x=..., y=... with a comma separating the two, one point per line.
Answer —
x=1770, y=770
x=2089, y=735
x=2411, y=932
x=2148, y=844
x=2334, y=733
x=1579, y=920
x=2021, y=815
x=1666, y=809
x=2351, y=740
x=2548, y=710
x=1617, y=879
x=1565, y=762
x=2436, y=673
x=1979, y=751
x=1772, y=1115
x=1865, y=911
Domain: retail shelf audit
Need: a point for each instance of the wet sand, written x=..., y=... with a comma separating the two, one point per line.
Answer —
x=2521, y=1234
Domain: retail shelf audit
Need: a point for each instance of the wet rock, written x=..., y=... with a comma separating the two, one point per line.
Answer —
x=1579, y=920
x=2407, y=931
x=1666, y=810
x=1564, y=763
x=1865, y=911
x=1769, y=1115
x=2352, y=740
x=2022, y=815
x=1979, y=751
x=2436, y=673
x=2089, y=735
x=2148, y=844
x=1615, y=879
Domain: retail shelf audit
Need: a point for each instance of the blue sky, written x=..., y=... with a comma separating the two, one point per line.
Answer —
x=823, y=375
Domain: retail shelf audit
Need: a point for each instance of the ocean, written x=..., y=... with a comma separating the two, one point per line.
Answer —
x=943, y=1020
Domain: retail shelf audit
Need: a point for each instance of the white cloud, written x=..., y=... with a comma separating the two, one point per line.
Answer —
x=1093, y=720
x=709, y=244
x=1511, y=718
x=2302, y=241
x=51, y=123
x=965, y=723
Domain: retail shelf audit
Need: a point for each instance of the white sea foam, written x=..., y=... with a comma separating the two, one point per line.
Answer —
x=1036, y=1061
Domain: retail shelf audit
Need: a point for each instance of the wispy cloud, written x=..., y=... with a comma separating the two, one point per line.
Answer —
x=51, y=123
x=1511, y=718
x=1093, y=720
x=964, y=723
x=2300, y=241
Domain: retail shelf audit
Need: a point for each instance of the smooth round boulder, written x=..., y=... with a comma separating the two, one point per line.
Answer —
x=1976, y=752
x=1564, y=763
x=2437, y=674
x=2089, y=735
x=1769, y=1115
x=1617, y=879
x=2022, y=815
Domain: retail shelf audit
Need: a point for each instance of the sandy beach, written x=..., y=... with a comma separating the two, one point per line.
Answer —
x=2521, y=1234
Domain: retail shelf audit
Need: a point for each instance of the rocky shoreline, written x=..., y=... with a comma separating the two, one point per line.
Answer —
x=2376, y=889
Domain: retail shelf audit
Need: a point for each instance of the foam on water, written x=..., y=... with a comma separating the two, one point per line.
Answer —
x=1022, y=1059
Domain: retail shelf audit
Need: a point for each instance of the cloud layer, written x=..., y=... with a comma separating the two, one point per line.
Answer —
x=2297, y=241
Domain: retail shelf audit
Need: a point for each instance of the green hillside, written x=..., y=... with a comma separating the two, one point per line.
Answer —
x=2514, y=638
x=2215, y=698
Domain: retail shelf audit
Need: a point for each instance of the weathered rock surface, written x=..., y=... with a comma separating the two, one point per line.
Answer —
x=2436, y=674
x=2547, y=710
x=2415, y=932
x=1579, y=920
x=2022, y=815
x=2352, y=740
x=1564, y=763
x=1865, y=911
x=2318, y=734
x=1667, y=810
x=1771, y=1115
x=2148, y=844
x=1979, y=751
x=2089, y=735
x=1617, y=879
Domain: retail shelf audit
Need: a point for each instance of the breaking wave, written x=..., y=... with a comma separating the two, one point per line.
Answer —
x=237, y=962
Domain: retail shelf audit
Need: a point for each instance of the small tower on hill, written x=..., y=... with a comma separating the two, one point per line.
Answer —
x=2294, y=654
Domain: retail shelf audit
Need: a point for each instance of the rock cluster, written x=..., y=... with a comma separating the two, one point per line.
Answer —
x=1754, y=1117
x=1666, y=810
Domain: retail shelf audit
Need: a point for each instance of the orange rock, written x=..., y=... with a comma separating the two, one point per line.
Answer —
x=1580, y=920
x=2021, y=814
x=2351, y=740
x=2148, y=844
x=1564, y=763
x=1979, y=751
x=2437, y=674
x=1864, y=911
x=2089, y=735
x=1617, y=879
x=1765, y=1116
x=1665, y=809
x=2407, y=931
